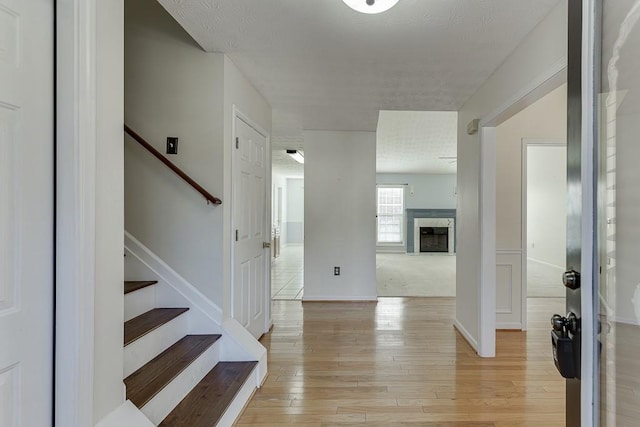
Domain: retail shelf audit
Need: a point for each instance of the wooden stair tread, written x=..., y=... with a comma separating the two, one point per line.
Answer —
x=211, y=397
x=147, y=322
x=134, y=285
x=146, y=382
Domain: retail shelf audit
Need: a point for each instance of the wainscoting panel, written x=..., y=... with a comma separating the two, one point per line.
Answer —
x=509, y=289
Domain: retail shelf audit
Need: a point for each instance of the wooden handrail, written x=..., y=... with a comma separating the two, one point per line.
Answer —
x=210, y=198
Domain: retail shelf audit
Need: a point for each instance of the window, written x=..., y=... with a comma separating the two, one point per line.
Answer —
x=390, y=203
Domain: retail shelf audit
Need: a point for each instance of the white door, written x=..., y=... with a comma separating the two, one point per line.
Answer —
x=249, y=294
x=26, y=212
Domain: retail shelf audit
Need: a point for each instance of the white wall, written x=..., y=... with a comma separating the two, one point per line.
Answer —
x=546, y=119
x=109, y=221
x=547, y=205
x=295, y=210
x=543, y=49
x=173, y=88
x=425, y=191
x=340, y=178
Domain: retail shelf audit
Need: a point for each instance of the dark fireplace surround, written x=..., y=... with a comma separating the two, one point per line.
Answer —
x=413, y=214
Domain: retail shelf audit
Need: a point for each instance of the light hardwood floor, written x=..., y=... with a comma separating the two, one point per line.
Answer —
x=400, y=362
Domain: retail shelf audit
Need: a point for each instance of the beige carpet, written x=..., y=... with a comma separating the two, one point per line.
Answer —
x=408, y=275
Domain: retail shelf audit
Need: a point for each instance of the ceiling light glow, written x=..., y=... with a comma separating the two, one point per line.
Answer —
x=296, y=155
x=371, y=6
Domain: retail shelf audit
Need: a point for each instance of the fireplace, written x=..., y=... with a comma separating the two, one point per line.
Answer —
x=434, y=236
x=434, y=239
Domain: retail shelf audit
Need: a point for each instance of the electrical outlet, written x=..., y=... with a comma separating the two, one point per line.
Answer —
x=172, y=145
x=336, y=271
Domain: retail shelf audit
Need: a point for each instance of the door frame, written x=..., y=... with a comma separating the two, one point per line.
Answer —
x=76, y=80
x=591, y=71
x=526, y=143
x=237, y=114
x=545, y=83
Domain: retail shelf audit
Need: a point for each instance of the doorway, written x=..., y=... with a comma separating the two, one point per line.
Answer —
x=416, y=203
x=287, y=263
x=530, y=175
x=545, y=216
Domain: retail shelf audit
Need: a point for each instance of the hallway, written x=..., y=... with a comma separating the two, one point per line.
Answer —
x=400, y=362
x=398, y=275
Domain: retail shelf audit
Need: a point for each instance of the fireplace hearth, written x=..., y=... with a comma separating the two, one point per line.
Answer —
x=434, y=239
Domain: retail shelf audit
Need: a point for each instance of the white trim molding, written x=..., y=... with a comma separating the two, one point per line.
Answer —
x=487, y=282
x=466, y=335
x=76, y=33
x=589, y=385
x=164, y=272
x=526, y=143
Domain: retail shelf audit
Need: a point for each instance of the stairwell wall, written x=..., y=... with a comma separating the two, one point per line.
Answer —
x=174, y=88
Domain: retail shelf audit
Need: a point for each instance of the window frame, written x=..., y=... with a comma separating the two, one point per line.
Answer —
x=403, y=225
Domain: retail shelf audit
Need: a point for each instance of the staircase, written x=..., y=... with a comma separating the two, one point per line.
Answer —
x=174, y=377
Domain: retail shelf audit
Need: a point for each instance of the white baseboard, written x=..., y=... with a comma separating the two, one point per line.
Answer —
x=509, y=326
x=627, y=321
x=466, y=335
x=333, y=298
x=557, y=267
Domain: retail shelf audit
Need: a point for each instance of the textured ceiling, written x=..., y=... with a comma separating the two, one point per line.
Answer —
x=413, y=141
x=326, y=67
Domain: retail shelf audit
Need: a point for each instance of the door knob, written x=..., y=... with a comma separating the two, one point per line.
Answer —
x=266, y=245
x=564, y=325
x=571, y=279
x=558, y=323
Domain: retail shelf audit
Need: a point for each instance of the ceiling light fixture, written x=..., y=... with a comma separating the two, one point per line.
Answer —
x=371, y=6
x=296, y=155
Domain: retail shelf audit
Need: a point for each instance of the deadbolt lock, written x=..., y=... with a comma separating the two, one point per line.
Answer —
x=571, y=279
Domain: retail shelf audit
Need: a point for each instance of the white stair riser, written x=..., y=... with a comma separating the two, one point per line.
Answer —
x=139, y=302
x=239, y=401
x=155, y=342
x=168, y=398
